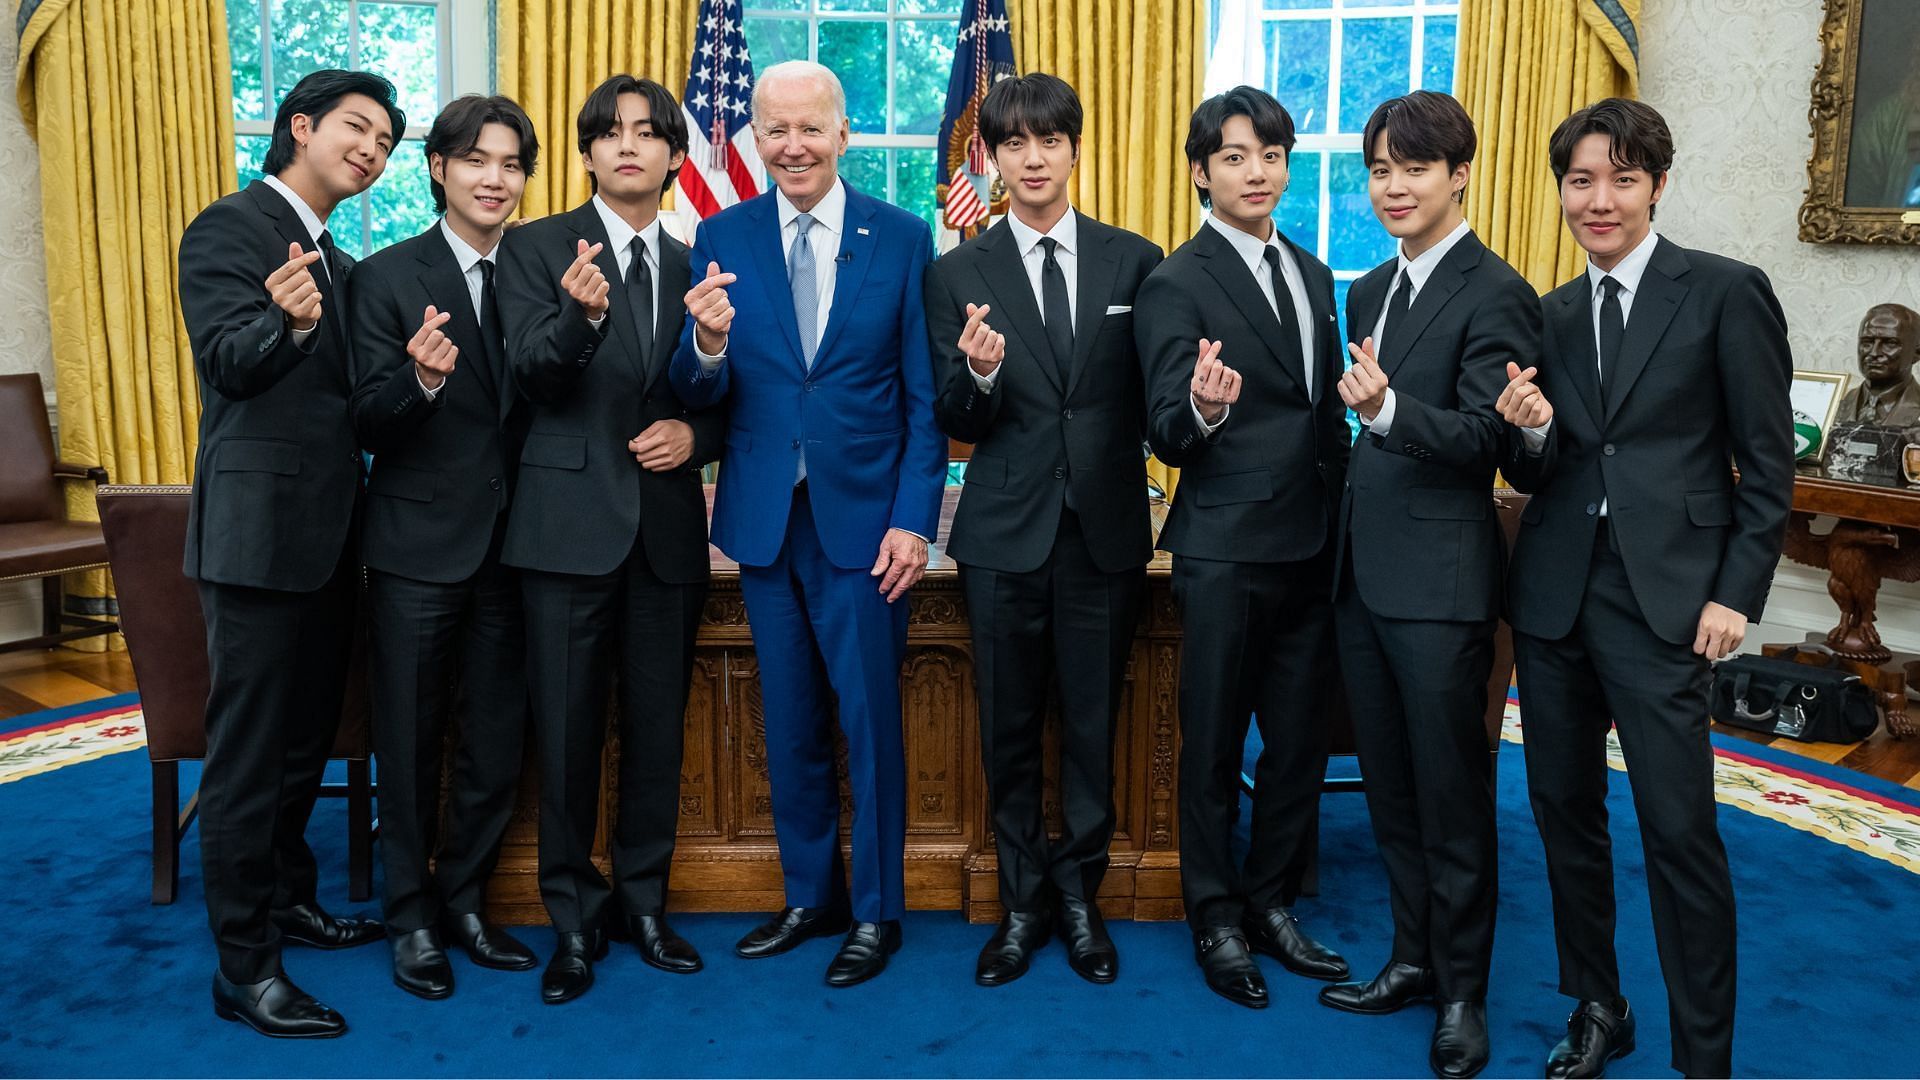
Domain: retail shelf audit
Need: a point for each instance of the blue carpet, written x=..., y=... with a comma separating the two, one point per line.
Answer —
x=101, y=983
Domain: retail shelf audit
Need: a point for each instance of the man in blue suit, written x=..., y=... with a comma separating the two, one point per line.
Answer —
x=829, y=494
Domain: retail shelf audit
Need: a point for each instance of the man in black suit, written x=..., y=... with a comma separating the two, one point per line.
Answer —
x=609, y=525
x=1051, y=534
x=1639, y=562
x=270, y=532
x=1262, y=447
x=435, y=403
x=1418, y=563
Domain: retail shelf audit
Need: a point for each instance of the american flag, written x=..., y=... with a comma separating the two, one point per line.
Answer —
x=723, y=167
x=982, y=54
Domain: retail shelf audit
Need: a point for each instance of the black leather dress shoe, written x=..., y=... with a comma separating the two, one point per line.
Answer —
x=661, y=947
x=420, y=965
x=309, y=925
x=1277, y=933
x=1459, y=1040
x=790, y=927
x=1229, y=967
x=276, y=1008
x=864, y=954
x=487, y=945
x=570, y=973
x=1397, y=986
x=1090, y=951
x=1005, y=955
x=1595, y=1035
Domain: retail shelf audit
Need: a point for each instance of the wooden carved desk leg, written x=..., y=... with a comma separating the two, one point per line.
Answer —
x=1894, y=701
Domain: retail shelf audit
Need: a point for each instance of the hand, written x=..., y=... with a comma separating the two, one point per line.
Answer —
x=1521, y=403
x=294, y=291
x=1215, y=385
x=711, y=310
x=983, y=348
x=585, y=283
x=1721, y=631
x=433, y=352
x=903, y=561
x=664, y=446
x=1364, y=386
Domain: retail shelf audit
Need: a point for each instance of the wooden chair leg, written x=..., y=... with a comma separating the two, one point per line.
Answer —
x=166, y=831
x=359, y=829
x=52, y=599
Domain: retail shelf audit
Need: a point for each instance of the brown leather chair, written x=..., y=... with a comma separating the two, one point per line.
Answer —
x=146, y=534
x=36, y=539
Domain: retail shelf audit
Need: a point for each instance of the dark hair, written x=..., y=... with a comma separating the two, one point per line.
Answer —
x=456, y=132
x=1270, y=123
x=1637, y=133
x=1037, y=104
x=1422, y=126
x=317, y=95
x=601, y=113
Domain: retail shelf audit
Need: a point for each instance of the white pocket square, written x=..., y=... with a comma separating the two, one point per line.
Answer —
x=1119, y=309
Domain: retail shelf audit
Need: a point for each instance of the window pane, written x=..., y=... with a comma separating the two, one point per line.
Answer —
x=402, y=42
x=1298, y=214
x=401, y=202
x=249, y=151
x=853, y=5
x=856, y=50
x=1296, y=5
x=865, y=170
x=773, y=40
x=913, y=183
x=243, y=44
x=1340, y=287
x=1374, y=56
x=345, y=225
x=1437, y=53
x=1355, y=240
x=776, y=5
x=1297, y=65
x=307, y=35
x=928, y=7
x=922, y=63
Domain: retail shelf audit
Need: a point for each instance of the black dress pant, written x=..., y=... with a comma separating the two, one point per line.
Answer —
x=1257, y=638
x=1417, y=693
x=440, y=648
x=277, y=663
x=583, y=633
x=1613, y=671
x=1071, y=624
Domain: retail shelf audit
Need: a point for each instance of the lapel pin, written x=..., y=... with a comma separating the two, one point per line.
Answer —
x=861, y=231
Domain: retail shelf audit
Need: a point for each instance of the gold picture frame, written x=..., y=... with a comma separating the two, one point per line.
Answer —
x=1863, y=181
x=1816, y=395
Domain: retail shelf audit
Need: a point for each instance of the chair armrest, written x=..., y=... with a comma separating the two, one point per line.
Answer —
x=68, y=470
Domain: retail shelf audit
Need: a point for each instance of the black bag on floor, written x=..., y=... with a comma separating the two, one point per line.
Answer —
x=1781, y=696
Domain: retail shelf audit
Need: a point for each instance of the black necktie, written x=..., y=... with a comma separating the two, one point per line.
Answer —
x=326, y=253
x=1055, y=310
x=1397, y=305
x=640, y=298
x=1613, y=330
x=1289, y=315
x=489, y=313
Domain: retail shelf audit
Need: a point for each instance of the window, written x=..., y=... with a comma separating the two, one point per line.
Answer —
x=1330, y=62
x=276, y=42
x=894, y=58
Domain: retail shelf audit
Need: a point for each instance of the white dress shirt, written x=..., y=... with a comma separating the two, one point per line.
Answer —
x=1417, y=271
x=469, y=261
x=829, y=223
x=1026, y=240
x=1253, y=253
x=314, y=227
x=620, y=238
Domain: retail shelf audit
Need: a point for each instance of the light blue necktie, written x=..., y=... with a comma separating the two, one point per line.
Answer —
x=806, y=291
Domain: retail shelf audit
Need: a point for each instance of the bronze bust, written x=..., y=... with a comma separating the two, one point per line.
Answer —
x=1889, y=345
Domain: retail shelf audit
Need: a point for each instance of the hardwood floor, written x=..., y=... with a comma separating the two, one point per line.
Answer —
x=49, y=679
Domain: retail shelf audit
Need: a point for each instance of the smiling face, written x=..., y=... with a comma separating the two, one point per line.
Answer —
x=630, y=160
x=1036, y=169
x=1243, y=178
x=343, y=152
x=483, y=185
x=800, y=133
x=1609, y=209
x=1417, y=201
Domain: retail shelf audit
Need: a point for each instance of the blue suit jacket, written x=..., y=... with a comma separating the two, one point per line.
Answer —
x=875, y=459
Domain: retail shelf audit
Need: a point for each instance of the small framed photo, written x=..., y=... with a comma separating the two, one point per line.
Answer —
x=1815, y=396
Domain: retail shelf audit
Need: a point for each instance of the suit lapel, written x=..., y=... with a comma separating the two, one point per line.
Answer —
x=1227, y=269
x=588, y=226
x=770, y=262
x=1097, y=272
x=1321, y=322
x=1661, y=291
x=855, y=259
x=997, y=261
x=1446, y=279
x=669, y=311
x=1573, y=325
x=440, y=276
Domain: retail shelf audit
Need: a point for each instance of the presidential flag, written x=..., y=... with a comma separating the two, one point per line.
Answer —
x=723, y=167
x=971, y=189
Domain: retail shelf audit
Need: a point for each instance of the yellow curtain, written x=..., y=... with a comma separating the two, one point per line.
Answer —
x=1524, y=65
x=554, y=52
x=1139, y=66
x=131, y=104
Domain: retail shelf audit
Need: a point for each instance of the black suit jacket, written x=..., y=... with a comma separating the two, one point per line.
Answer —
x=442, y=468
x=1035, y=437
x=1418, y=517
x=581, y=497
x=1265, y=486
x=277, y=471
x=1701, y=384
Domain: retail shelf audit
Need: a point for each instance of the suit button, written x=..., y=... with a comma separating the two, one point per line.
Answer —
x=1059, y=474
x=1321, y=465
x=494, y=483
x=1066, y=414
x=796, y=444
x=1607, y=449
x=809, y=387
x=1592, y=509
x=648, y=398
